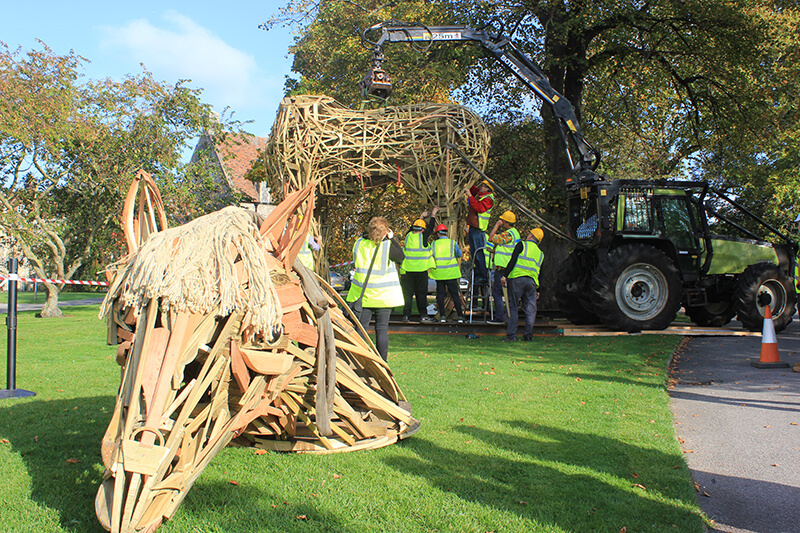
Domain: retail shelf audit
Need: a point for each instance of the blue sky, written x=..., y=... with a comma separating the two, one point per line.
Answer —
x=217, y=45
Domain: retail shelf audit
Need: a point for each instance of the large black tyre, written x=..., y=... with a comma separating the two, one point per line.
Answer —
x=716, y=313
x=760, y=285
x=572, y=289
x=636, y=287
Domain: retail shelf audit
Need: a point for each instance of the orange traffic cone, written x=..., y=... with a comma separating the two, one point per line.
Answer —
x=770, y=358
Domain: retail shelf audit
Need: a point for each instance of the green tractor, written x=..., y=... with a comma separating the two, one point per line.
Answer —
x=648, y=248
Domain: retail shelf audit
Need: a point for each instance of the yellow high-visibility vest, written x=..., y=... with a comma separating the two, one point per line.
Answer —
x=483, y=218
x=529, y=262
x=383, y=286
x=502, y=252
x=444, y=255
x=418, y=257
x=306, y=256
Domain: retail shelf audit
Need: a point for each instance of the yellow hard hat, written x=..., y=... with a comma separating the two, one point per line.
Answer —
x=485, y=182
x=420, y=223
x=538, y=234
x=509, y=217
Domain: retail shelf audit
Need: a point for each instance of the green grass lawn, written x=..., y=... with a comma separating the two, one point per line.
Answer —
x=557, y=435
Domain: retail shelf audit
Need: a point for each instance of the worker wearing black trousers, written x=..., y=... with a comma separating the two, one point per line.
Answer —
x=414, y=269
x=446, y=254
x=521, y=276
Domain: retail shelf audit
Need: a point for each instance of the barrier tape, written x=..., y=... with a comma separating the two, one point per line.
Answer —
x=15, y=277
x=341, y=264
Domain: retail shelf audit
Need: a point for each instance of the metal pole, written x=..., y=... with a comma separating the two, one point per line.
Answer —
x=11, y=322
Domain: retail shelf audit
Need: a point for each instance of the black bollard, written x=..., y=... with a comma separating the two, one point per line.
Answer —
x=11, y=391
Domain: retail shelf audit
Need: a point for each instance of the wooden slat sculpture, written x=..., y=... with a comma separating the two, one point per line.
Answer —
x=317, y=138
x=223, y=337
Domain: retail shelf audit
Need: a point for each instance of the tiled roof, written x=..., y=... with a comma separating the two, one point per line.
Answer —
x=236, y=155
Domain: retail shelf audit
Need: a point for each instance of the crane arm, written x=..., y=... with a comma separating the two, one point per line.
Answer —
x=377, y=81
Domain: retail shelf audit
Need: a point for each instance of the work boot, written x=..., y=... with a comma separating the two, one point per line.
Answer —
x=509, y=339
x=426, y=320
x=461, y=320
x=527, y=338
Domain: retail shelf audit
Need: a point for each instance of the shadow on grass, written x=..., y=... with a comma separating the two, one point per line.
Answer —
x=242, y=508
x=572, y=480
x=604, y=378
x=59, y=442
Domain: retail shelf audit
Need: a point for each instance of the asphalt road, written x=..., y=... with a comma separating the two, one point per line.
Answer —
x=739, y=427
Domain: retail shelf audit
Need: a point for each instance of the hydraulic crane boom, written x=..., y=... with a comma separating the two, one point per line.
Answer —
x=378, y=83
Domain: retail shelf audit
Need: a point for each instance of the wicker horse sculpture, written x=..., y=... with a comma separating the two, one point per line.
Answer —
x=316, y=138
x=224, y=338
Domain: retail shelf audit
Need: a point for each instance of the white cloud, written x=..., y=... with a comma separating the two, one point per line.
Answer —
x=182, y=49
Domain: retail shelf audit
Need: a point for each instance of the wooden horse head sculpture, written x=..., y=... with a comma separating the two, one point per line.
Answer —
x=223, y=337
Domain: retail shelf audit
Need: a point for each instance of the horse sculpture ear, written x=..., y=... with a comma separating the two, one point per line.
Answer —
x=150, y=218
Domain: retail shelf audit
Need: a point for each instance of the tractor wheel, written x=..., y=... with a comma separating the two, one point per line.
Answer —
x=636, y=287
x=760, y=285
x=714, y=314
x=572, y=289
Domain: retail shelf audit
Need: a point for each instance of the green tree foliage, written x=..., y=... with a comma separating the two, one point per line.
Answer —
x=654, y=83
x=69, y=150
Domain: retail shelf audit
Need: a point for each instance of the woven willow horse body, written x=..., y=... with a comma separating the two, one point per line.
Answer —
x=347, y=151
x=223, y=337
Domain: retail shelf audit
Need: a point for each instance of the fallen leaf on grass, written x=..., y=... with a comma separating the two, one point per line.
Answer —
x=336, y=476
x=302, y=517
x=639, y=486
x=635, y=475
x=4, y=441
x=72, y=460
x=260, y=452
x=233, y=482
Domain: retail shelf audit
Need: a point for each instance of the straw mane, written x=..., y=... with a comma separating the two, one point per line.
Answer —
x=191, y=268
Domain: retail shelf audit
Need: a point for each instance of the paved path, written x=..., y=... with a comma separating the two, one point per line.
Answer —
x=740, y=429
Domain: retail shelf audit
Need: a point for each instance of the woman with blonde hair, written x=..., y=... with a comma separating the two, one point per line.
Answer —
x=376, y=286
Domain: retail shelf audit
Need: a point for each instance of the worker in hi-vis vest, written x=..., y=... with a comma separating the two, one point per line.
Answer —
x=447, y=272
x=306, y=253
x=521, y=275
x=504, y=243
x=378, y=289
x=480, y=200
x=414, y=270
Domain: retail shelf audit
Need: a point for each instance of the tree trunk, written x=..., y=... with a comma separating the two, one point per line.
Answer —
x=50, y=308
